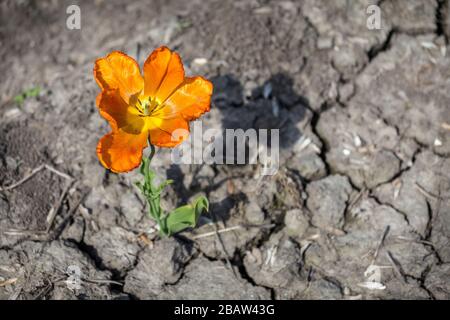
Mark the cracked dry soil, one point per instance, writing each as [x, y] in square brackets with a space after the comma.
[364, 179]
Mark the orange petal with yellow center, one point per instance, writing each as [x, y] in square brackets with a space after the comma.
[118, 113]
[168, 132]
[119, 71]
[190, 100]
[120, 151]
[163, 73]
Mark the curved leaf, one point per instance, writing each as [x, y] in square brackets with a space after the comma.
[186, 216]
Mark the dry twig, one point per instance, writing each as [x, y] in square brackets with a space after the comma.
[32, 173]
[396, 266]
[208, 234]
[380, 244]
[55, 208]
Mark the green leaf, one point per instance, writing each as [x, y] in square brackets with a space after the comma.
[163, 185]
[30, 93]
[180, 219]
[19, 99]
[33, 92]
[201, 204]
[185, 216]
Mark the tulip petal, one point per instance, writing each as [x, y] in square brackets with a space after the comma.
[190, 100]
[163, 73]
[119, 71]
[168, 132]
[118, 113]
[120, 151]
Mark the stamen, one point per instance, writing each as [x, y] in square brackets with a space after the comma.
[146, 108]
[138, 106]
[154, 104]
[157, 108]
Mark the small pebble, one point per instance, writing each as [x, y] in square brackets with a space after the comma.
[437, 143]
[200, 61]
[324, 43]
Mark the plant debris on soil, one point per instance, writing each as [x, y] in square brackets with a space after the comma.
[363, 187]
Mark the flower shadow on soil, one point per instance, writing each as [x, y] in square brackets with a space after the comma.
[274, 105]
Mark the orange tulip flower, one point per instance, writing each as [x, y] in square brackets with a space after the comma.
[151, 107]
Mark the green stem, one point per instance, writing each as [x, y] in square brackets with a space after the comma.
[151, 210]
[152, 151]
[152, 192]
[154, 206]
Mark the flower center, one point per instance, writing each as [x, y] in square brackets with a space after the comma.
[147, 105]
